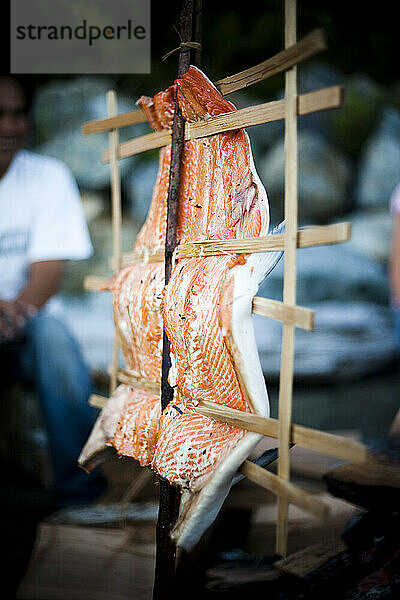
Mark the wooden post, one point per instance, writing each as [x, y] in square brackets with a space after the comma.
[115, 216]
[170, 495]
[289, 285]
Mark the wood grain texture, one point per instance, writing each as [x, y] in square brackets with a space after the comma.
[292, 315]
[289, 277]
[116, 217]
[310, 45]
[324, 99]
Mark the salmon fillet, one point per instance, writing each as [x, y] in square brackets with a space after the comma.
[205, 309]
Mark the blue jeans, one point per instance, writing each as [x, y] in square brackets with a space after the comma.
[49, 358]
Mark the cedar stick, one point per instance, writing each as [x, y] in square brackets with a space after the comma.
[324, 99]
[306, 237]
[312, 439]
[284, 489]
[310, 45]
[289, 278]
[115, 217]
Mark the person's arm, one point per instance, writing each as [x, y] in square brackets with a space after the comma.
[43, 282]
[394, 266]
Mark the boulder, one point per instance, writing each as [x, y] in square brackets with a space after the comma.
[83, 314]
[379, 170]
[351, 126]
[371, 233]
[60, 109]
[335, 272]
[324, 177]
[350, 340]
[138, 188]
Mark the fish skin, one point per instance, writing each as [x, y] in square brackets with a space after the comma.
[96, 447]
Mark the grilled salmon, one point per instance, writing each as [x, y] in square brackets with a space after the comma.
[205, 309]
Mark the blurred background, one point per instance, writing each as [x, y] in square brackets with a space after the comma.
[346, 370]
[349, 164]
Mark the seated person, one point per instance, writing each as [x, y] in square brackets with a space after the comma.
[42, 225]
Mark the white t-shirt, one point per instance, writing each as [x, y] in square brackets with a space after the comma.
[41, 218]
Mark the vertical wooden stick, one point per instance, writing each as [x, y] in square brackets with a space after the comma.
[170, 495]
[115, 216]
[289, 285]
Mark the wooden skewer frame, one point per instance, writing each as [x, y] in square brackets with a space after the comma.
[291, 315]
[313, 43]
[324, 99]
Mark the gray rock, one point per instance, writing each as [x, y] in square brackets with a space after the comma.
[333, 272]
[350, 340]
[138, 188]
[379, 171]
[350, 126]
[60, 109]
[371, 234]
[84, 314]
[324, 176]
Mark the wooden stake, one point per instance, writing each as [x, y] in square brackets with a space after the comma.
[289, 282]
[115, 216]
[170, 495]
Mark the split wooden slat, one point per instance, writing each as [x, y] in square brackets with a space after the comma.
[310, 45]
[312, 439]
[94, 283]
[97, 401]
[289, 279]
[306, 237]
[129, 378]
[115, 217]
[284, 489]
[122, 120]
[324, 99]
[292, 315]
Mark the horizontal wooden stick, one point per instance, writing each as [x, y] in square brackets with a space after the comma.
[331, 97]
[263, 478]
[292, 315]
[122, 120]
[308, 236]
[313, 439]
[129, 378]
[97, 401]
[285, 489]
[313, 43]
[320, 441]
[138, 257]
[93, 283]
